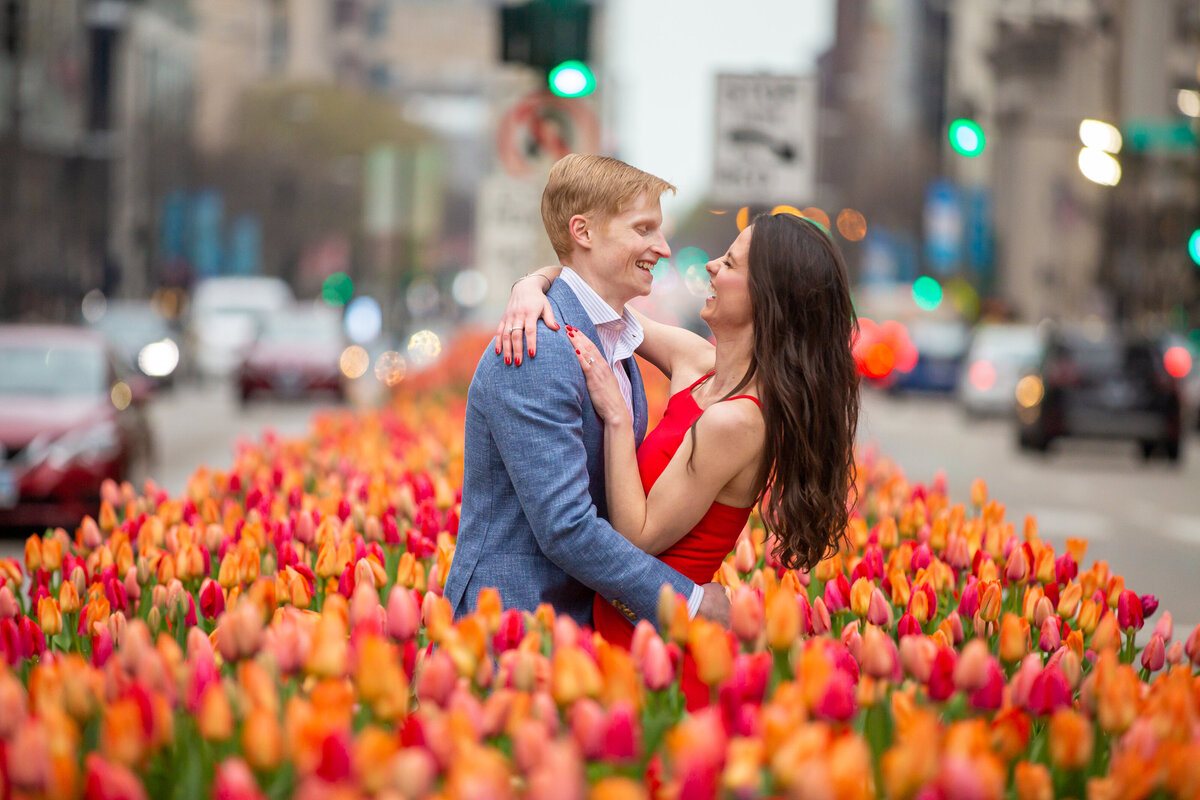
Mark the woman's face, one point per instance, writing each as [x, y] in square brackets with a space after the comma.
[728, 303]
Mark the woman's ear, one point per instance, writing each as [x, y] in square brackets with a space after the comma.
[580, 230]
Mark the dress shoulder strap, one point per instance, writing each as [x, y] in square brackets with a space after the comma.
[745, 397]
[700, 380]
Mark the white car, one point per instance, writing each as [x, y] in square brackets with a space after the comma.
[997, 358]
[225, 318]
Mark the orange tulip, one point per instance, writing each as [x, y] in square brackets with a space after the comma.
[215, 719]
[860, 596]
[979, 493]
[33, 553]
[1107, 635]
[49, 616]
[1032, 781]
[262, 739]
[783, 618]
[574, 675]
[1070, 739]
[1014, 638]
[711, 650]
[122, 736]
[327, 657]
[989, 602]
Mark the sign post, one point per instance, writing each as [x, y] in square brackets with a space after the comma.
[766, 139]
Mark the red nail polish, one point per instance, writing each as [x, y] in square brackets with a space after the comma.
[531, 352]
[507, 360]
[576, 352]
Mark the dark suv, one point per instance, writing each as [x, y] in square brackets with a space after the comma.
[1105, 385]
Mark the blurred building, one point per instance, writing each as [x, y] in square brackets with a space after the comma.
[1020, 221]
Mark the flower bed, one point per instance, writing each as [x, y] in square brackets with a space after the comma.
[278, 630]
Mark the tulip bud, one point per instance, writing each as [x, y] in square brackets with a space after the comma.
[1165, 627]
[1175, 653]
[1033, 781]
[989, 602]
[860, 596]
[979, 493]
[8, 603]
[1017, 568]
[821, 623]
[1050, 636]
[215, 720]
[879, 610]
[1192, 648]
[1154, 656]
[916, 656]
[1014, 638]
[403, 614]
[49, 616]
[1129, 611]
[746, 614]
[1068, 601]
[1089, 616]
[878, 655]
[1070, 739]
[212, 599]
[783, 620]
[971, 670]
[655, 664]
[744, 560]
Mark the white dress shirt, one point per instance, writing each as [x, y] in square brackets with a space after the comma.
[620, 335]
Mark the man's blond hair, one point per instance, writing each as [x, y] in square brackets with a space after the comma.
[597, 187]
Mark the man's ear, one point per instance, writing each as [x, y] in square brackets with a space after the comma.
[581, 231]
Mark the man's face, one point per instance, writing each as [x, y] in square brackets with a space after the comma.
[626, 248]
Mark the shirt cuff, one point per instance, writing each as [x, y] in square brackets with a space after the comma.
[695, 600]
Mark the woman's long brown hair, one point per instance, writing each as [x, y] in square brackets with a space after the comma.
[808, 385]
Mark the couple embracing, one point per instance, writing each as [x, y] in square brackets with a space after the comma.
[567, 500]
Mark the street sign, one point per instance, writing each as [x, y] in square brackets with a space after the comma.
[943, 226]
[510, 239]
[541, 128]
[1160, 135]
[766, 140]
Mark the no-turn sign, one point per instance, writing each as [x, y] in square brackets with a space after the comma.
[766, 139]
[542, 127]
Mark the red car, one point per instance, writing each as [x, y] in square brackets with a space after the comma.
[69, 418]
[296, 354]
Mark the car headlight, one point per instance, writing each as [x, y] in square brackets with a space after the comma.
[159, 359]
[88, 444]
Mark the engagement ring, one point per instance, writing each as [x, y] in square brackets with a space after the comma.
[510, 330]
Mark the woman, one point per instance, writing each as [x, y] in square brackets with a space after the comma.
[765, 415]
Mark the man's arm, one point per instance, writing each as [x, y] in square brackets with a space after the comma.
[536, 417]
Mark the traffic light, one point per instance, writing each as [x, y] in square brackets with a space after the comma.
[551, 36]
[966, 137]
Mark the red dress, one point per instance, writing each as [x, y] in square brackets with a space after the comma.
[700, 551]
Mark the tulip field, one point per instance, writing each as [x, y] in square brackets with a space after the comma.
[278, 630]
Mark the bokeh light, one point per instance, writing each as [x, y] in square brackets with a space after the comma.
[1178, 361]
[852, 224]
[1194, 246]
[1100, 135]
[121, 395]
[422, 298]
[661, 270]
[364, 319]
[966, 137]
[423, 348]
[795, 212]
[1099, 167]
[982, 375]
[337, 289]
[743, 217]
[94, 305]
[690, 263]
[354, 361]
[159, 359]
[818, 216]
[470, 288]
[1029, 391]
[880, 360]
[390, 368]
[963, 297]
[927, 292]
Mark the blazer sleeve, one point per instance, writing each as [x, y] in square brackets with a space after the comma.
[535, 413]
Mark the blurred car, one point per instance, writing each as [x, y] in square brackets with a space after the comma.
[142, 338]
[296, 353]
[225, 316]
[70, 417]
[941, 346]
[997, 358]
[1103, 385]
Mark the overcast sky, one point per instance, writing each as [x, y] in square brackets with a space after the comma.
[663, 56]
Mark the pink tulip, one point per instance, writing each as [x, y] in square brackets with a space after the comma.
[971, 670]
[968, 602]
[1051, 634]
[586, 719]
[921, 557]
[878, 656]
[102, 646]
[990, 695]
[1149, 604]
[8, 603]
[234, 781]
[403, 614]
[837, 594]
[1165, 626]
[879, 610]
[1065, 569]
[436, 678]
[108, 781]
[821, 623]
[1154, 656]
[657, 670]
[1175, 653]
[1017, 568]
[1192, 648]
[917, 653]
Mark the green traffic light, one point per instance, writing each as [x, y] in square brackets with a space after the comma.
[927, 293]
[966, 137]
[1194, 246]
[572, 79]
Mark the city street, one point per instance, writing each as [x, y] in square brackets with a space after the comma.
[1143, 518]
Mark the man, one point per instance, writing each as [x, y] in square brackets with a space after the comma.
[533, 508]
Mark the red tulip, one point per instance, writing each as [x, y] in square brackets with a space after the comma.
[908, 626]
[990, 695]
[1149, 604]
[621, 738]
[1130, 615]
[212, 599]
[234, 781]
[837, 701]
[941, 675]
[1049, 692]
[108, 781]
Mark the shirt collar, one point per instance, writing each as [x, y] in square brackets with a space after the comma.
[600, 312]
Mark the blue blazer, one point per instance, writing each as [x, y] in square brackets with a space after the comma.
[533, 504]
